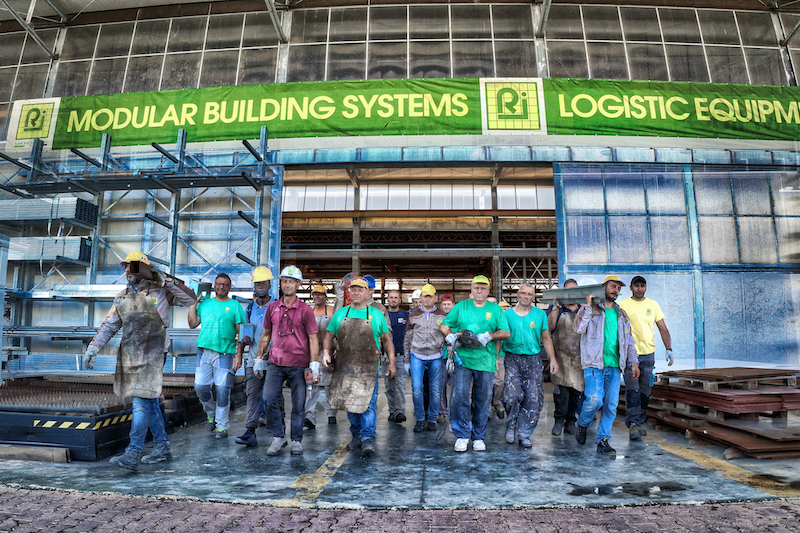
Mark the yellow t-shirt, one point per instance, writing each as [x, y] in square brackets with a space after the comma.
[644, 316]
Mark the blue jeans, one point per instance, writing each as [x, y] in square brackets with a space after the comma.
[362, 425]
[602, 392]
[146, 413]
[434, 367]
[637, 391]
[462, 411]
[273, 391]
[214, 368]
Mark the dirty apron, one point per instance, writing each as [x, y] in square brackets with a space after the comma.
[567, 346]
[356, 366]
[325, 373]
[141, 352]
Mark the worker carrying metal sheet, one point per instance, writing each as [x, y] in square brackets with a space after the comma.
[142, 311]
[359, 330]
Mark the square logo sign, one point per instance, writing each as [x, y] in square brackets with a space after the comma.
[32, 119]
[513, 106]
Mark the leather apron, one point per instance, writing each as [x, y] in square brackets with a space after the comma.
[140, 362]
[355, 367]
[325, 373]
[567, 345]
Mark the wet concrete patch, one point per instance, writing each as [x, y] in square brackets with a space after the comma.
[654, 491]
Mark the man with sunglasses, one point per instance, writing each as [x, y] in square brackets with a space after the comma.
[290, 324]
[216, 347]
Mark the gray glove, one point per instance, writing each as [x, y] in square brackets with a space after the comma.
[450, 365]
[90, 357]
[669, 357]
[260, 368]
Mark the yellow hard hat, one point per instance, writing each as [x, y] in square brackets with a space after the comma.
[135, 256]
[481, 279]
[320, 289]
[613, 278]
[503, 304]
[428, 290]
[261, 273]
[359, 282]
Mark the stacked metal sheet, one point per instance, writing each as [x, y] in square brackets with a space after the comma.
[30, 209]
[49, 249]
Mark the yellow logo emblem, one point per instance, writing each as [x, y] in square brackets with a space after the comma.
[488, 315]
[35, 120]
[155, 301]
[512, 105]
[533, 324]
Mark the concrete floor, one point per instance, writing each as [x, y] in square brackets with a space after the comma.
[420, 470]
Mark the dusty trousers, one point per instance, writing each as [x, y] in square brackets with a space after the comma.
[523, 393]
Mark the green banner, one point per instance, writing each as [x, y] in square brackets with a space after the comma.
[325, 109]
[527, 106]
[671, 109]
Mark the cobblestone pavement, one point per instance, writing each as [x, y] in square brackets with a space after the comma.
[27, 511]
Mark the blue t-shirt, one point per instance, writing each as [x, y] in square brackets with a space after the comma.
[399, 320]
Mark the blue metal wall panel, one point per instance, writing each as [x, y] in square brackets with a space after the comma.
[634, 155]
[712, 157]
[422, 153]
[673, 155]
[509, 153]
[781, 157]
[295, 157]
[335, 155]
[380, 155]
[591, 153]
[751, 157]
[549, 153]
[463, 153]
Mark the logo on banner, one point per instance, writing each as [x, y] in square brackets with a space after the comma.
[32, 119]
[513, 106]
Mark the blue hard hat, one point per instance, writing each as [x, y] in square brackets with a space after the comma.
[370, 281]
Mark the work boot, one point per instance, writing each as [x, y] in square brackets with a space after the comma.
[580, 435]
[297, 448]
[278, 443]
[399, 418]
[605, 448]
[525, 442]
[211, 424]
[391, 417]
[634, 432]
[441, 418]
[501, 413]
[511, 432]
[248, 439]
[308, 424]
[569, 427]
[419, 427]
[331, 420]
[160, 454]
[221, 434]
[642, 432]
[367, 447]
[558, 428]
[431, 426]
[128, 460]
[355, 443]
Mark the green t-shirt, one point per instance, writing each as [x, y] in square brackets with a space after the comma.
[376, 318]
[218, 324]
[489, 318]
[526, 332]
[611, 339]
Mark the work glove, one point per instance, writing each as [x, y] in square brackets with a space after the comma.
[90, 357]
[314, 366]
[260, 368]
[408, 368]
[669, 357]
[450, 365]
[485, 338]
[451, 339]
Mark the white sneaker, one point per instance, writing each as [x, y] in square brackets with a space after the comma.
[461, 445]
[478, 446]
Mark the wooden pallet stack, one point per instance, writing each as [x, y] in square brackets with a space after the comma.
[742, 408]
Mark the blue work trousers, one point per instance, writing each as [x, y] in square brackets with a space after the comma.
[469, 418]
[146, 413]
[273, 391]
[362, 425]
[602, 392]
[434, 368]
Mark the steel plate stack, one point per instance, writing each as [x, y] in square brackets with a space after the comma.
[49, 249]
[31, 209]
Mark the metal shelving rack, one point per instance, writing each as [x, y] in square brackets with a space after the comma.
[180, 173]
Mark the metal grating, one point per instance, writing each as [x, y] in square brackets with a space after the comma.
[49, 249]
[30, 209]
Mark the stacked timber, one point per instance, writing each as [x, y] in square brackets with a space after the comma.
[743, 408]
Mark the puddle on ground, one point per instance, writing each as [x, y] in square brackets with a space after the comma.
[658, 491]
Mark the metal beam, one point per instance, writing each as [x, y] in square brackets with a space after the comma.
[273, 15]
[164, 152]
[247, 218]
[246, 259]
[417, 253]
[159, 222]
[90, 160]
[498, 169]
[58, 11]
[543, 19]
[352, 173]
[791, 34]
[30, 31]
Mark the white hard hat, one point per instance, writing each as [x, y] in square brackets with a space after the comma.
[293, 272]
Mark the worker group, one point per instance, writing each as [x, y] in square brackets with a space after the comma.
[465, 359]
